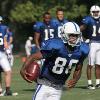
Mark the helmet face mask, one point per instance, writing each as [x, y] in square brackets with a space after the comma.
[71, 34]
[95, 11]
[73, 39]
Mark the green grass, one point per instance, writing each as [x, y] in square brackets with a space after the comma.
[26, 90]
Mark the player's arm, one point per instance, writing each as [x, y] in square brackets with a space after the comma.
[5, 42]
[37, 39]
[34, 57]
[83, 27]
[37, 28]
[30, 69]
[43, 54]
[84, 23]
[78, 70]
[76, 76]
[11, 40]
[30, 60]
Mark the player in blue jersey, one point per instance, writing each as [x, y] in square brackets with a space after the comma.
[92, 26]
[60, 58]
[59, 21]
[4, 64]
[44, 30]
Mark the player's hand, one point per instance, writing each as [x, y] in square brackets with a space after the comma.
[6, 45]
[71, 83]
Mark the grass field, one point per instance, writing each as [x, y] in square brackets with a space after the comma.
[25, 90]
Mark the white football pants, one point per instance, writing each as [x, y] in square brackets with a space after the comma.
[10, 56]
[44, 92]
[94, 54]
[4, 63]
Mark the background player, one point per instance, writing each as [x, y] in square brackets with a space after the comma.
[59, 21]
[59, 61]
[44, 30]
[4, 64]
[92, 26]
[28, 46]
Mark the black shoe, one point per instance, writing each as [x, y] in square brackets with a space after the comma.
[6, 93]
[97, 86]
[91, 87]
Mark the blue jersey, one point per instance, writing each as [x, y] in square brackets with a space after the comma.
[93, 28]
[59, 61]
[58, 24]
[46, 31]
[34, 49]
[3, 30]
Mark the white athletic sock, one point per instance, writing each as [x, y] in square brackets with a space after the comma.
[97, 81]
[89, 82]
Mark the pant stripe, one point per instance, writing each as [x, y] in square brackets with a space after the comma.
[37, 90]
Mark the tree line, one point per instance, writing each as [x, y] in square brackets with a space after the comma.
[20, 15]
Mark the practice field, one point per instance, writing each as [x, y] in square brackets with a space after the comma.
[25, 90]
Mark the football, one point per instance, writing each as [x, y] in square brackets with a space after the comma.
[30, 72]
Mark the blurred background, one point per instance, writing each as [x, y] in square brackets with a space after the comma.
[21, 15]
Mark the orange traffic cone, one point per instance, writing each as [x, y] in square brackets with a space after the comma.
[24, 59]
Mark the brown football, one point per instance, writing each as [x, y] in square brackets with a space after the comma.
[31, 72]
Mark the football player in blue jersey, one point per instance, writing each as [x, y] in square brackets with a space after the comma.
[91, 24]
[4, 64]
[61, 56]
[59, 21]
[44, 30]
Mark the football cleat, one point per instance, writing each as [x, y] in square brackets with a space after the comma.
[9, 93]
[97, 86]
[91, 87]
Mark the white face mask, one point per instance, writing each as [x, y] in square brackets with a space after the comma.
[71, 33]
[74, 39]
[95, 12]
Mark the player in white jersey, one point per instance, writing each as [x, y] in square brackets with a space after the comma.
[28, 46]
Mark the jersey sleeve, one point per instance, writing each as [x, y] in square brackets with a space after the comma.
[34, 49]
[54, 22]
[10, 34]
[37, 26]
[4, 28]
[50, 48]
[86, 20]
[85, 51]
